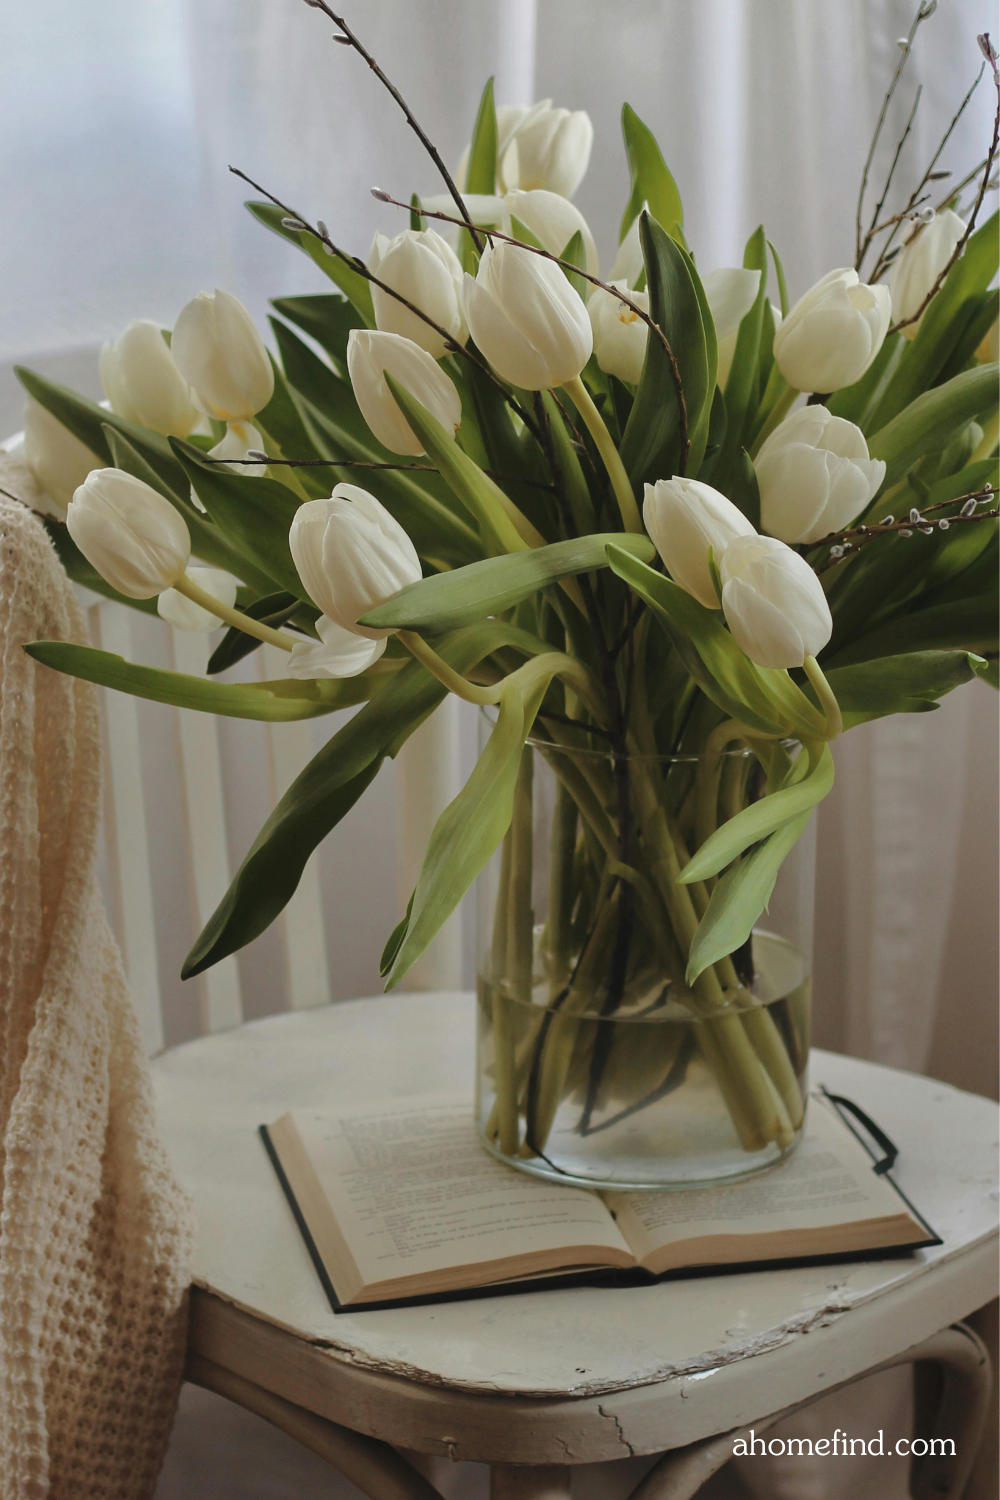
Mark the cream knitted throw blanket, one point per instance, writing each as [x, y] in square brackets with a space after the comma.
[95, 1233]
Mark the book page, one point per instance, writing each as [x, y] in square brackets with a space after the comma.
[416, 1197]
[816, 1202]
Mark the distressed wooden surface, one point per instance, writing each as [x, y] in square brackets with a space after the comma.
[579, 1375]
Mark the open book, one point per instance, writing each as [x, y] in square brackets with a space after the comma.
[399, 1202]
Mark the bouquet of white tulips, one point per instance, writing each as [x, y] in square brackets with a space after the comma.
[588, 505]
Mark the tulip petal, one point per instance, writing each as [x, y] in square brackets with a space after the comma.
[760, 629]
[338, 653]
[507, 350]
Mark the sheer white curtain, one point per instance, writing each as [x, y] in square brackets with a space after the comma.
[120, 121]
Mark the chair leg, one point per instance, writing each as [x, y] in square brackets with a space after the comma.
[377, 1470]
[529, 1482]
[957, 1425]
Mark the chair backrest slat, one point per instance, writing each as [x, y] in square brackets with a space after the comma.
[290, 748]
[126, 837]
[220, 1000]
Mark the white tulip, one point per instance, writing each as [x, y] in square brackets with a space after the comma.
[619, 333]
[351, 555]
[180, 611]
[58, 460]
[833, 333]
[774, 604]
[814, 476]
[143, 384]
[731, 292]
[526, 318]
[553, 221]
[337, 653]
[135, 538]
[222, 357]
[424, 269]
[369, 356]
[549, 148]
[684, 518]
[926, 251]
[727, 347]
[239, 439]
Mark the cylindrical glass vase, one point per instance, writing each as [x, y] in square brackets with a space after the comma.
[597, 1064]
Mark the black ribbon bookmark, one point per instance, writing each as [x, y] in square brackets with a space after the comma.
[888, 1161]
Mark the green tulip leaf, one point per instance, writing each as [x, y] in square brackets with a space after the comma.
[324, 793]
[743, 387]
[740, 897]
[765, 817]
[279, 701]
[651, 179]
[496, 584]
[930, 421]
[968, 624]
[465, 835]
[900, 684]
[326, 317]
[482, 498]
[254, 515]
[481, 174]
[651, 447]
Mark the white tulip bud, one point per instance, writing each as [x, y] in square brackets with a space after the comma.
[135, 538]
[58, 460]
[731, 292]
[814, 476]
[178, 610]
[143, 384]
[774, 603]
[338, 653]
[833, 333]
[684, 518]
[549, 148]
[351, 555]
[927, 249]
[369, 356]
[553, 221]
[423, 268]
[526, 318]
[619, 333]
[222, 357]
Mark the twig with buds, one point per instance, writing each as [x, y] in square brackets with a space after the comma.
[256, 456]
[846, 543]
[567, 265]
[347, 38]
[988, 50]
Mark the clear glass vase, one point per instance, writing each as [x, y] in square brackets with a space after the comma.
[596, 1063]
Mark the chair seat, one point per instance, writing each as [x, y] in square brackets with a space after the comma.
[572, 1376]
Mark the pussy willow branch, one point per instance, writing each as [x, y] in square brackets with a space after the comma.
[364, 463]
[890, 174]
[356, 264]
[923, 11]
[953, 192]
[567, 265]
[411, 119]
[859, 536]
[915, 199]
[987, 49]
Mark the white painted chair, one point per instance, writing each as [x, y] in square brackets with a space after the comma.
[533, 1384]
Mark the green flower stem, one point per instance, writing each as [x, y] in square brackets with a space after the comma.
[827, 701]
[548, 664]
[208, 601]
[580, 397]
[502, 1125]
[563, 846]
[777, 414]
